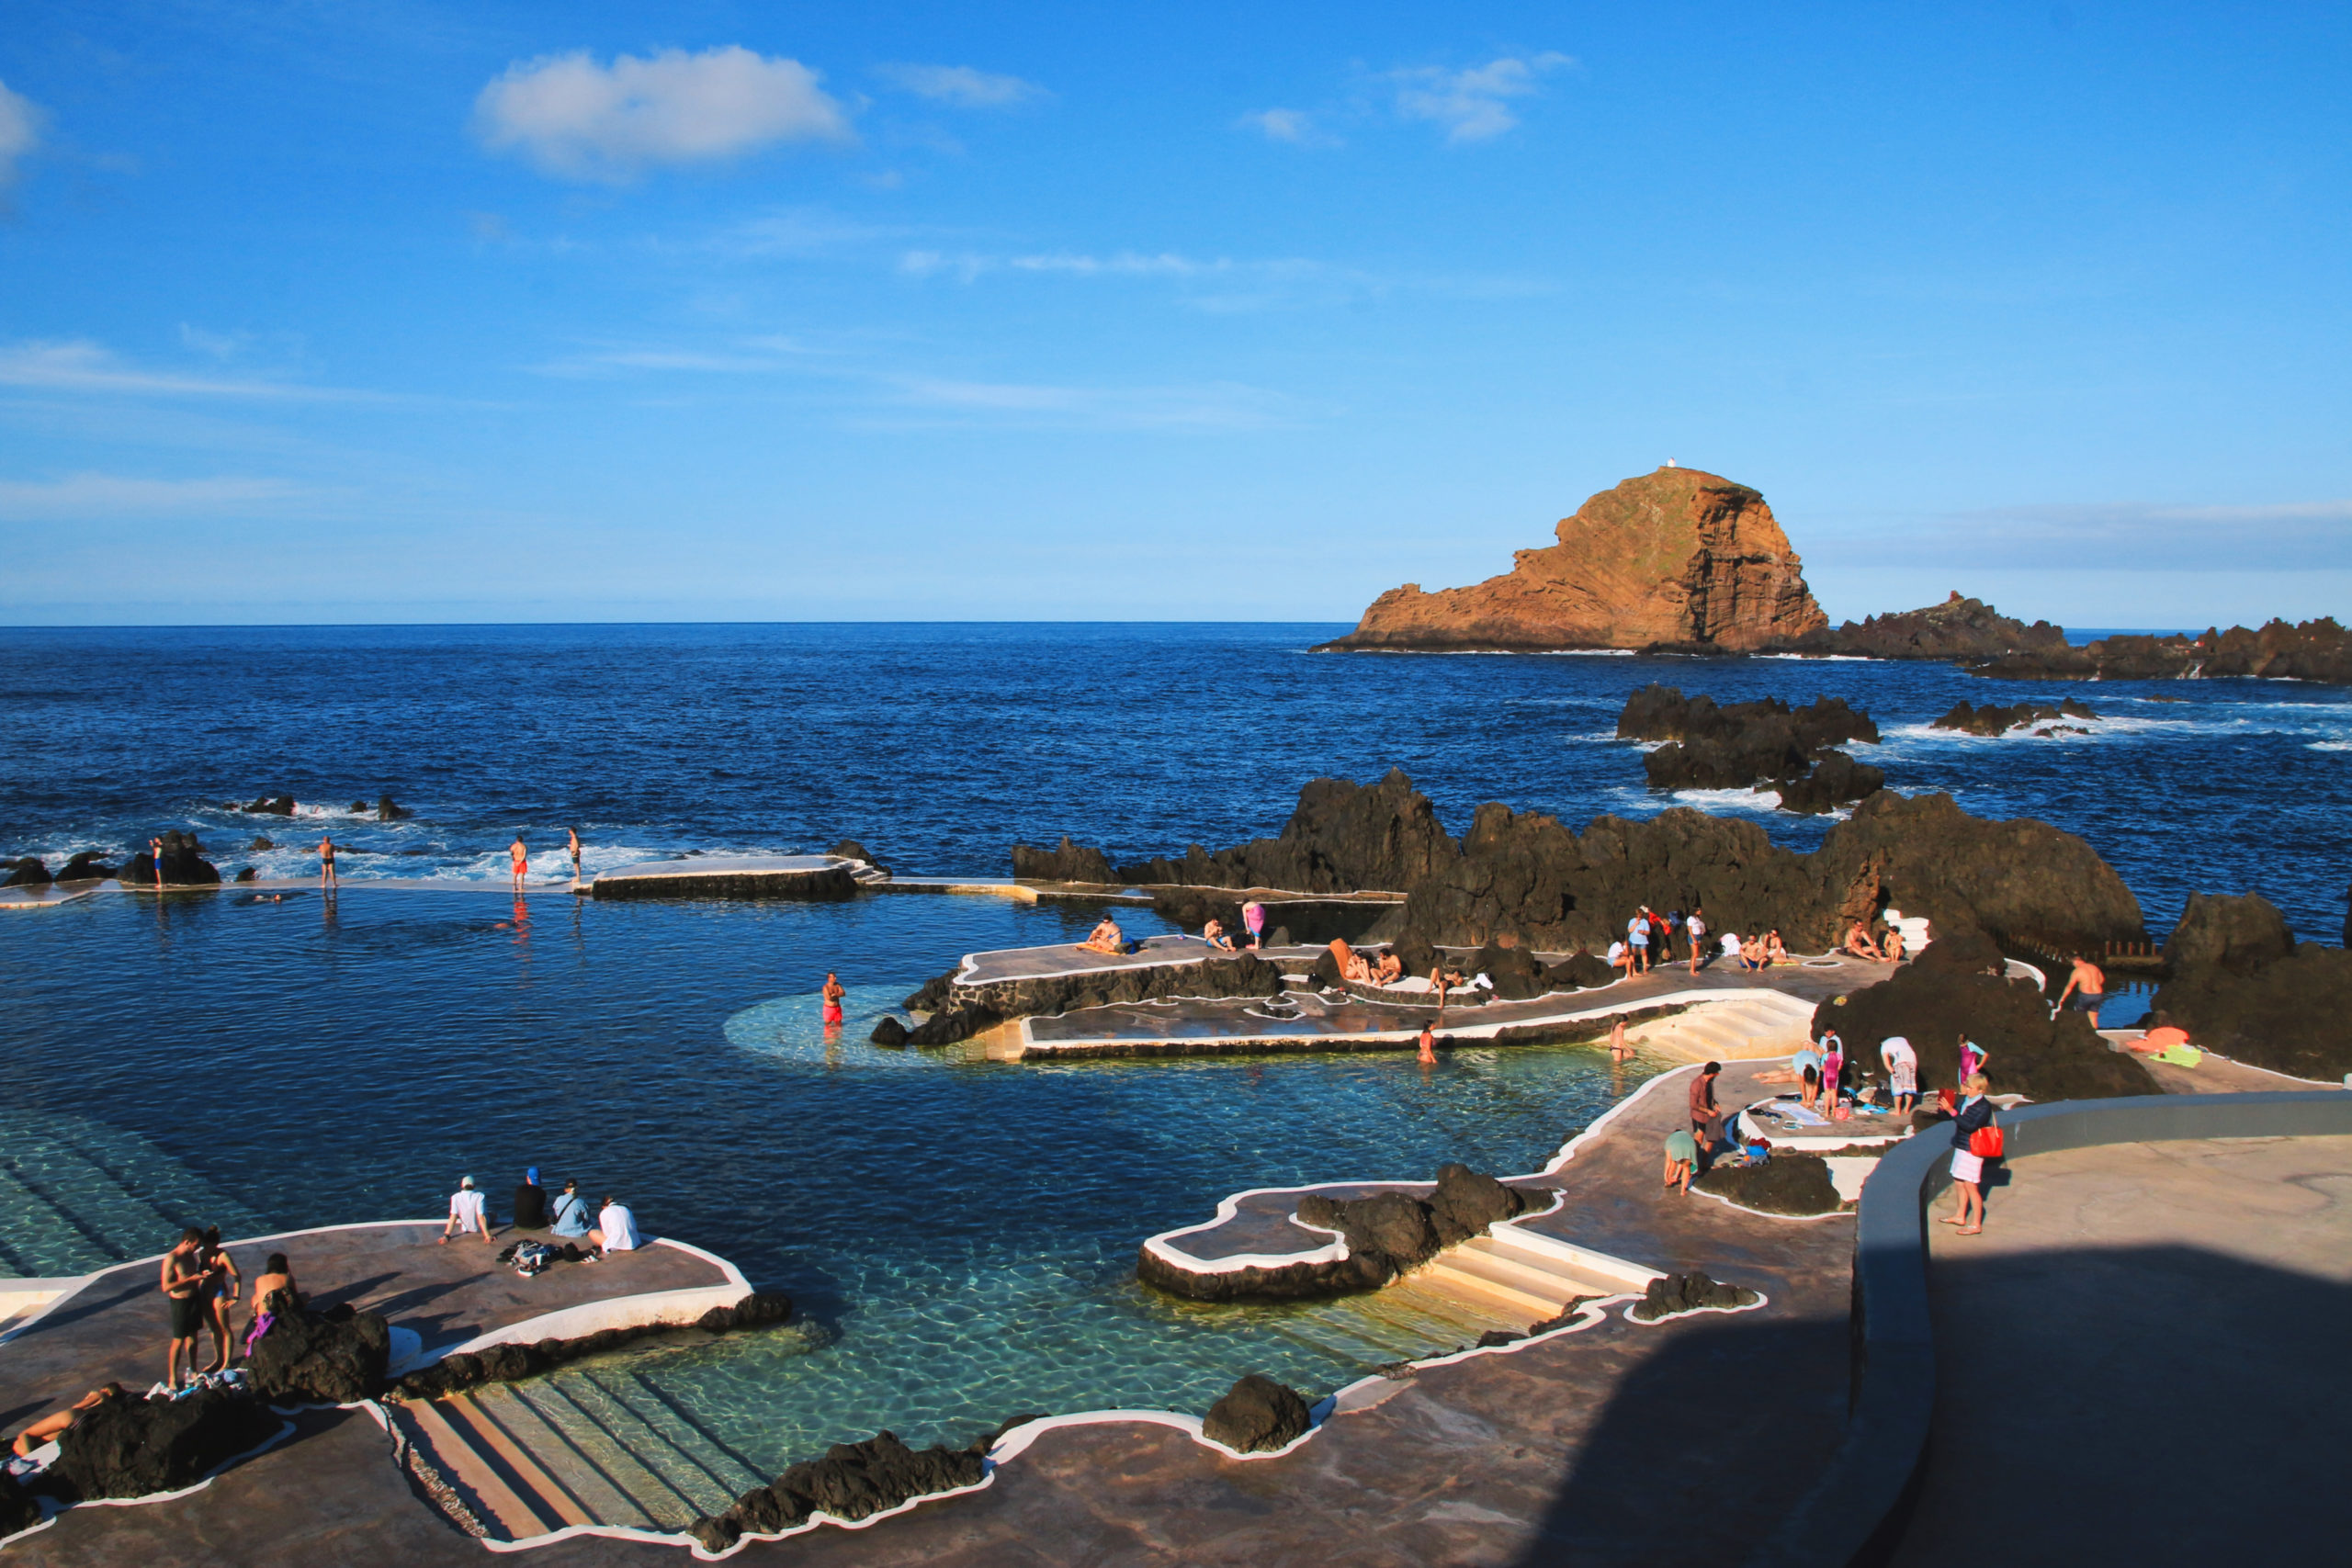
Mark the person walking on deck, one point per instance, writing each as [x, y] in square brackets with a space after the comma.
[1967, 1164]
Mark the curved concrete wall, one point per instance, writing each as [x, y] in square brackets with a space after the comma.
[1855, 1516]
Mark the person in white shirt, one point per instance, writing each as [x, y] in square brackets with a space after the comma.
[1621, 957]
[1696, 929]
[616, 1229]
[468, 1211]
[1902, 1072]
[1731, 946]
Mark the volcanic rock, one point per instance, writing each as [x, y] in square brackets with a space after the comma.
[1956, 629]
[390, 810]
[183, 864]
[975, 1008]
[1579, 971]
[1785, 1184]
[1070, 862]
[1674, 556]
[2027, 1050]
[19, 1510]
[1257, 1415]
[247, 874]
[272, 805]
[1993, 719]
[853, 1481]
[259, 844]
[1752, 744]
[1391, 1232]
[1466, 1204]
[332, 1358]
[513, 1362]
[89, 866]
[136, 1448]
[2288, 1016]
[850, 849]
[950, 1024]
[1343, 838]
[890, 1032]
[2237, 934]
[1661, 713]
[2315, 651]
[26, 873]
[1676, 1293]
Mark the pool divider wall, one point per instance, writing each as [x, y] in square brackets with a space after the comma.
[1856, 1515]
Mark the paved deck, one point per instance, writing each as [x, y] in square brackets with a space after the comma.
[2141, 1361]
[113, 1328]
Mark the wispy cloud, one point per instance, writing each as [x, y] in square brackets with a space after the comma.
[962, 86]
[20, 126]
[1207, 283]
[741, 357]
[1296, 126]
[1472, 105]
[96, 495]
[78, 365]
[578, 119]
[2112, 536]
[1212, 406]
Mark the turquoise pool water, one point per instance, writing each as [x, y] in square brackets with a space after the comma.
[960, 1235]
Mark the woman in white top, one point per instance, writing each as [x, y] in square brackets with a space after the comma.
[1621, 957]
[616, 1229]
[1697, 926]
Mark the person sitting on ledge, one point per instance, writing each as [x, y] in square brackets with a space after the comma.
[1891, 951]
[1353, 969]
[50, 1427]
[1859, 942]
[616, 1229]
[1620, 957]
[468, 1212]
[1775, 950]
[531, 1202]
[1107, 936]
[1214, 934]
[1389, 970]
[571, 1212]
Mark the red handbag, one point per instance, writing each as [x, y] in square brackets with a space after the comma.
[1986, 1142]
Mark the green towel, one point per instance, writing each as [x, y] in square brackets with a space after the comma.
[2181, 1056]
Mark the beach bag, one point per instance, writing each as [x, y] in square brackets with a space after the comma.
[1986, 1142]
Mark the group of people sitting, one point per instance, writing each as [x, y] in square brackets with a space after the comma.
[566, 1214]
[1384, 969]
[1860, 945]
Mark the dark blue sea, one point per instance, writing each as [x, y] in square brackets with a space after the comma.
[962, 1234]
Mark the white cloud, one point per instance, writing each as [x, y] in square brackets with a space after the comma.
[20, 123]
[80, 366]
[1213, 406]
[1472, 105]
[2111, 537]
[580, 120]
[220, 345]
[961, 85]
[1295, 126]
[112, 495]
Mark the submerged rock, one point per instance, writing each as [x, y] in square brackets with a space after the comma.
[390, 810]
[1992, 719]
[333, 1357]
[271, 805]
[26, 873]
[136, 1448]
[1676, 557]
[183, 864]
[853, 1481]
[1256, 1416]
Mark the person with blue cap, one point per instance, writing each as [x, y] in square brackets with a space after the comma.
[531, 1202]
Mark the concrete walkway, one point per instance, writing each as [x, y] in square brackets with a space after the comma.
[2141, 1361]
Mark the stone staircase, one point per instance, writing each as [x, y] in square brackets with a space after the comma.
[77, 1195]
[582, 1447]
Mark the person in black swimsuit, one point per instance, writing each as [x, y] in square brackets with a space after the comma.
[182, 1282]
[326, 861]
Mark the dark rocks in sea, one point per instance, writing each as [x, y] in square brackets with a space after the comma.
[1257, 1415]
[135, 1447]
[86, 866]
[1993, 720]
[853, 1481]
[1956, 629]
[2244, 988]
[1070, 862]
[2315, 651]
[1936, 1004]
[1790, 1183]
[1386, 1234]
[390, 810]
[26, 873]
[336, 1357]
[259, 844]
[1753, 745]
[512, 1363]
[850, 849]
[271, 805]
[1236, 975]
[247, 874]
[1343, 837]
[183, 864]
[2217, 930]
[891, 1032]
[1674, 1294]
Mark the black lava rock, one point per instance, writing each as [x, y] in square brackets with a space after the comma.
[246, 873]
[136, 1448]
[1746, 744]
[26, 873]
[2288, 1015]
[1515, 973]
[853, 1481]
[1678, 1293]
[850, 849]
[2027, 1050]
[890, 1032]
[330, 1358]
[183, 864]
[87, 866]
[1257, 1415]
[1785, 1184]
[20, 1509]
[1579, 971]
[1343, 837]
[272, 805]
[1466, 1204]
[1070, 862]
[511, 1363]
[390, 810]
[2220, 932]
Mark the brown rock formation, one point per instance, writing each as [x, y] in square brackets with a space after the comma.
[1677, 557]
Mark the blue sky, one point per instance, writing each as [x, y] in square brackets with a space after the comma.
[368, 312]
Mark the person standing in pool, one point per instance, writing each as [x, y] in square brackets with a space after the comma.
[2087, 986]
[326, 861]
[521, 857]
[1427, 1045]
[573, 835]
[833, 993]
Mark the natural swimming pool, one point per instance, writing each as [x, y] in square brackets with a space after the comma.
[960, 1235]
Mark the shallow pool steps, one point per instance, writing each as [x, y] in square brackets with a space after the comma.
[580, 1448]
[76, 1195]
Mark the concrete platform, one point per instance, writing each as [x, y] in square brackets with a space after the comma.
[746, 877]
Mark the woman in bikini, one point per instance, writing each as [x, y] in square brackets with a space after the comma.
[220, 1294]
